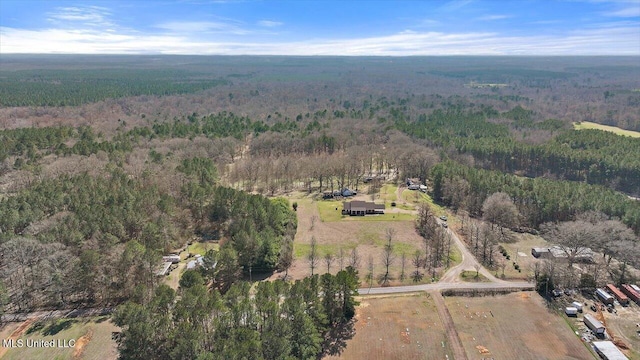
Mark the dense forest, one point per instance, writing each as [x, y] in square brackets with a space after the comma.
[106, 165]
[302, 320]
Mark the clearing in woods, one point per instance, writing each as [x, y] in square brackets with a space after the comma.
[521, 327]
[397, 327]
[92, 336]
[613, 129]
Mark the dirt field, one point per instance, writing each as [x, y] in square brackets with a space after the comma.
[367, 236]
[514, 326]
[623, 326]
[398, 327]
[93, 340]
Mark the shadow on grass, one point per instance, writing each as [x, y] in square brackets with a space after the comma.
[336, 339]
[58, 326]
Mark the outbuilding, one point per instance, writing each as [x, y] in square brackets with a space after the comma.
[622, 298]
[608, 350]
[604, 297]
[595, 325]
[571, 311]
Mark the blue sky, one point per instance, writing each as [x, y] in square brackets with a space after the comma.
[304, 27]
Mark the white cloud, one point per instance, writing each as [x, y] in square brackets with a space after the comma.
[633, 11]
[188, 27]
[613, 39]
[269, 23]
[88, 16]
[493, 17]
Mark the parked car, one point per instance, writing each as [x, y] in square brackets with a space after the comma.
[443, 218]
[444, 225]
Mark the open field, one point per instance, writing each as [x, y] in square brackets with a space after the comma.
[613, 129]
[398, 327]
[417, 198]
[368, 237]
[92, 340]
[331, 210]
[521, 328]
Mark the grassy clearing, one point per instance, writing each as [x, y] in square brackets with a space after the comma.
[328, 212]
[301, 251]
[202, 247]
[96, 343]
[472, 276]
[388, 193]
[418, 197]
[616, 130]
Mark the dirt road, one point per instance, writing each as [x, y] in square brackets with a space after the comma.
[454, 340]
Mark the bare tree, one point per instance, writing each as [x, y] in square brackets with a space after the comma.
[312, 257]
[416, 261]
[314, 218]
[341, 258]
[328, 260]
[354, 259]
[370, 273]
[387, 260]
[573, 237]
[500, 210]
[286, 257]
[477, 268]
[403, 261]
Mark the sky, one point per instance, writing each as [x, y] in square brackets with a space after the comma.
[308, 28]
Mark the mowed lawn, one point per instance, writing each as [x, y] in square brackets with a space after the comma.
[92, 336]
[513, 326]
[398, 327]
[613, 129]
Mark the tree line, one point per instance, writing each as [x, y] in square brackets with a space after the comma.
[307, 319]
[538, 200]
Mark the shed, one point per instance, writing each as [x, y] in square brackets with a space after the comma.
[571, 311]
[174, 259]
[593, 324]
[537, 252]
[608, 350]
[577, 305]
[622, 298]
[631, 293]
[163, 269]
[604, 296]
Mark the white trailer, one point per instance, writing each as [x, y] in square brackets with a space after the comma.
[571, 311]
[577, 305]
[604, 296]
[595, 325]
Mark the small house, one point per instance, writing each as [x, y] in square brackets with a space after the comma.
[361, 208]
